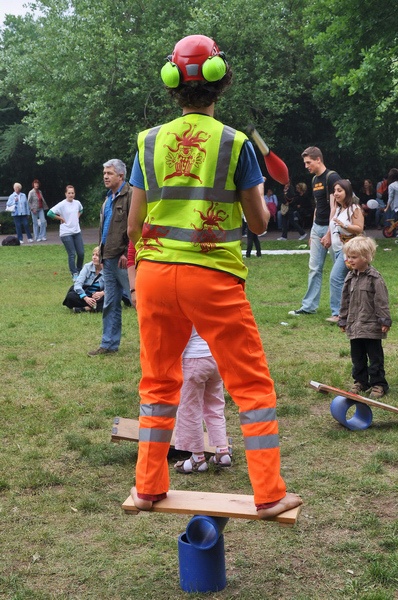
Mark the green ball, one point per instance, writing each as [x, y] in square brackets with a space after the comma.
[214, 68]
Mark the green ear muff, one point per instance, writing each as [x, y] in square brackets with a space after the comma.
[214, 68]
[171, 75]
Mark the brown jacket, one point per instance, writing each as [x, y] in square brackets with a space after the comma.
[117, 240]
[364, 305]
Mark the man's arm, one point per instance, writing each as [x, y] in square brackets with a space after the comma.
[137, 214]
[255, 209]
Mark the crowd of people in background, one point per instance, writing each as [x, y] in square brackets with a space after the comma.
[291, 209]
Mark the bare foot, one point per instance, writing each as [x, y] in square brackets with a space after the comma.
[139, 502]
[288, 502]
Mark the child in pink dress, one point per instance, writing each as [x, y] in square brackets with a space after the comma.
[202, 399]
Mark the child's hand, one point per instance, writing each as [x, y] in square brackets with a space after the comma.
[385, 329]
[342, 329]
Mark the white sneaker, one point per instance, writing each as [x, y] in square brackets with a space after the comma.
[20, 241]
[38, 240]
[43, 239]
[281, 239]
[30, 241]
[302, 237]
[300, 311]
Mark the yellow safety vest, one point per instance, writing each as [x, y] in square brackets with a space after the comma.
[194, 214]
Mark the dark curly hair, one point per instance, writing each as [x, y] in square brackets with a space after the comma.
[200, 94]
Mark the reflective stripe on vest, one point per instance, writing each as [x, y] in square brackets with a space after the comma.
[194, 215]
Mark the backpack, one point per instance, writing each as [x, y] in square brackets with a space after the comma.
[11, 240]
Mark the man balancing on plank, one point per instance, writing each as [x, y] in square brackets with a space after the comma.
[192, 177]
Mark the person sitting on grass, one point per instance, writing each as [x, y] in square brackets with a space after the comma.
[87, 293]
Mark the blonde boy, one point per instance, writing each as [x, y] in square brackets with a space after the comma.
[365, 317]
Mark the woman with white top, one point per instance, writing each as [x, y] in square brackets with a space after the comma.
[346, 223]
[68, 212]
[392, 186]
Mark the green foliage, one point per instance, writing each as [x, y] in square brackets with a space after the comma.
[78, 81]
[93, 81]
[89, 81]
[355, 47]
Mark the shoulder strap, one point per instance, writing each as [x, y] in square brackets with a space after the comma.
[328, 174]
[327, 187]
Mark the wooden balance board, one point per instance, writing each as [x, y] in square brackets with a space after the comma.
[127, 429]
[321, 387]
[239, 506]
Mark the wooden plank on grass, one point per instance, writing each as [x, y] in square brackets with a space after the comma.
[238, 506]
[323, 387]
[127, 429]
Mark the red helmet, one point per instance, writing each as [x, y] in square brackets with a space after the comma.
[190, 53]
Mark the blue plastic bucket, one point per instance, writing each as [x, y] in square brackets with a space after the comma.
[203, 531]
[201, 570]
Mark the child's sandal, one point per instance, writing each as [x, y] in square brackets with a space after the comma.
[221, 459]
[191, 466]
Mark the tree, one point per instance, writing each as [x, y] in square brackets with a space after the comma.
[90, 72]
[84, 75]
[355, 49]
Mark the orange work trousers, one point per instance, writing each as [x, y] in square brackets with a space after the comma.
[170, 299]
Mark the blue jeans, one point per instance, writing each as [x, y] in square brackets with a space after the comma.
[318, 254]
[115, 282]
[337, 277]
[39, 231]
[22, 221]
[74, 246]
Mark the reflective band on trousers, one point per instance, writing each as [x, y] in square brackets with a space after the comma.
[155, 435]
[158, 410]
[261, 415]
[262, 442]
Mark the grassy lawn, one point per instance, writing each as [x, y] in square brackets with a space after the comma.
[62, 482]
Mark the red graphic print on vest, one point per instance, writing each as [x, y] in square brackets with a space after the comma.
[188, 153]
[153, 232]
[211, 231]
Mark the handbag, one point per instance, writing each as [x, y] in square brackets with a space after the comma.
[284, 209]
[10, 208]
